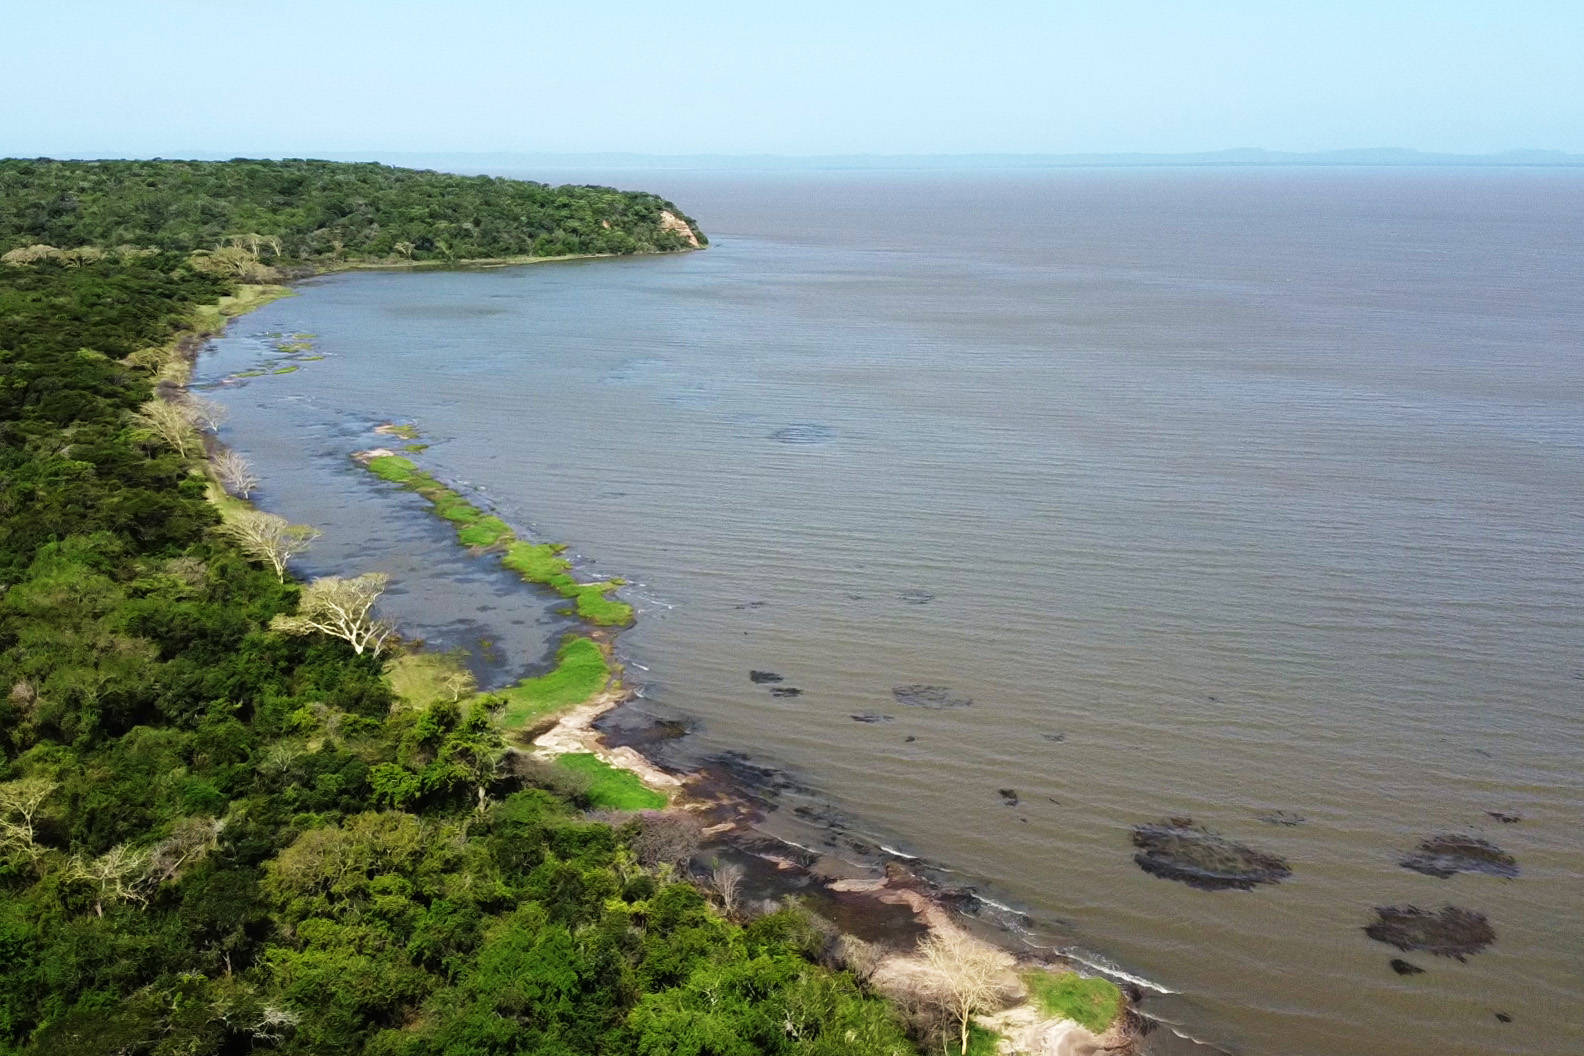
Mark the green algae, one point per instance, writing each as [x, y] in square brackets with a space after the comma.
[415, 448]
[285, 370]
[540, 563]
[249, 374]
[393, 468]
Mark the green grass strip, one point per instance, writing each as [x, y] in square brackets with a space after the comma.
[1090, 1001]
[581, 671]
[610, 788]
[540, 563]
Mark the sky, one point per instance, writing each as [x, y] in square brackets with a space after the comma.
[176, 78]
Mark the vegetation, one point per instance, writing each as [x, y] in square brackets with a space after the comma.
[969, 975]
[580, 672]
[246, 215]
[217, 838]
[1087, 1000]
[609, 787]
[535, 562]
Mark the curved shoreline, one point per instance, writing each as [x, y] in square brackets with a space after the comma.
[898, 970]
[900, 904]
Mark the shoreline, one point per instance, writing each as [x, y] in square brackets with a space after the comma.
[885, 913]
[727, 812]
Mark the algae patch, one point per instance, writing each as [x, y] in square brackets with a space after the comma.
[540, 563]
[1447, 853]
[1177, 849]
[922, 696]
[1450, 931]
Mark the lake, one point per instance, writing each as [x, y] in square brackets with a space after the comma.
[1254, 497]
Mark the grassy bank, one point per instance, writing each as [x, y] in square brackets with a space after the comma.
[1090, 1001]
[539, 563]
[581, 672]
[610, 787]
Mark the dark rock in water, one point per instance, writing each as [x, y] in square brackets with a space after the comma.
[750, 605]
[785, 691]
[921, 696]
[1054, 738]
[1177, 849]
[1402, 967]
[804, 433]
[1503, 1017]
[1282, 817]
[1450, 931]
[917, 597]
[909, 739]
[1452, 852]
[1009, 796]
[870, 716]
[1506, 817]
[761, 677]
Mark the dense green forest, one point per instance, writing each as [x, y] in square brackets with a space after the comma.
[201, 851]
[321, 212]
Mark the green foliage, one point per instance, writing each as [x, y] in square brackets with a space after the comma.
[1087, 1000]
[610, 788]
[219, 840]
[321, 211]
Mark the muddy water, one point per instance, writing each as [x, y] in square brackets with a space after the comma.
[1071, 504]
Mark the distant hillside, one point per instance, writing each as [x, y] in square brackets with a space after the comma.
[324, 211]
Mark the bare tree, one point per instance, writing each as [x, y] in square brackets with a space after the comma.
[234, 473]
[860, 958]
[968, 976]
[269, 538]
[405, 249]
[168, 422]
[175, 421]
[190, 841]
[115, 874]
[341, 608]
[666, 838]
[20, 805]
[728, 884]
[204, 413]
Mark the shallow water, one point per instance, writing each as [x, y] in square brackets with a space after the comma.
[1219, 494]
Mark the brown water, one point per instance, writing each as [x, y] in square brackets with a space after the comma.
[1219, 493]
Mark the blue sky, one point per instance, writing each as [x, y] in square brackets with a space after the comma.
[174, 77]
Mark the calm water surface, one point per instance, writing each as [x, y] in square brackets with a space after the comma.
[1219, 493]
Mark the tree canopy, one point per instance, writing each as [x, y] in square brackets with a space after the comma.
[220, 839]
[319, 212]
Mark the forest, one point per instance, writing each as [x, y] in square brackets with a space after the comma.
[217, 838]
[321, 212]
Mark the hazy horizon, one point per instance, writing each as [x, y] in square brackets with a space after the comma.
[177, 77]
[493, 161]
